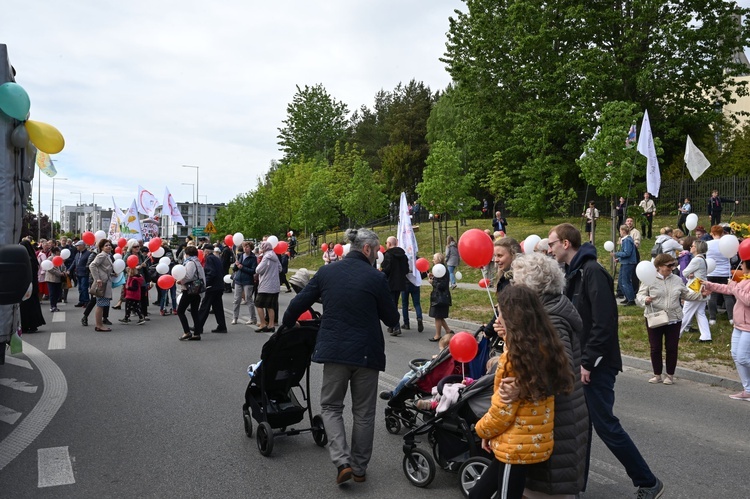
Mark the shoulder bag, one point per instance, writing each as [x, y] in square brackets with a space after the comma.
[196, 286]
[96, 290]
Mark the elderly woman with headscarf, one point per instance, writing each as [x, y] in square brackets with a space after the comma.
[267, 301]
[564, 474]
[31, 310]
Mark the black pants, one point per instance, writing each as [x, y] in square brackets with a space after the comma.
[649, 223]
[192, 301]
[212, 302]
[133, 307]
[493, 478]
[681, 223]
[90, 306]
[715, 218]
[283, 281]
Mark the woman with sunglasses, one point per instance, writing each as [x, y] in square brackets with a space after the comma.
[664, 294]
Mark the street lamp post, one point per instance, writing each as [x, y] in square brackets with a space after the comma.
[52, 210]
[194, 214]
[80, 199]
[197, 191]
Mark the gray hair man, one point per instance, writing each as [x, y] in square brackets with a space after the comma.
[350, 345]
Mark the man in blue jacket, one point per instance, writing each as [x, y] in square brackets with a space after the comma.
[212, 299]
[80, 269]
[590, 288]
[350, 346]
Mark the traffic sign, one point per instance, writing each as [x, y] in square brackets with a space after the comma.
[210, 228]
[198, 232]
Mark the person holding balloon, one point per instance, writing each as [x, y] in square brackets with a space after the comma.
[696, 270]
[190, 271]
[440, 298]
[133, 296]
[685, 208]
[520, 433]
[102, 273]
[720, 253]
[54, 275]
[329, 253]
[626, 257]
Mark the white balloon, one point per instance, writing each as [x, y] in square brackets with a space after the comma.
[65, 254]
[46, 265]
[291, 233]
[179, 272]
[380, 258]
[529, 244]
[728, 245]
[228, 278]
[273, 240]
[459, 275]
[117, 256]
[347, 248]
[691, 222]
[646, 272]
[165, 260]
[609, 246]
[100, 234]
[162, 268]
[438, 270]
[118, 265]
[158, 253]
[238, 238]
[710, 265]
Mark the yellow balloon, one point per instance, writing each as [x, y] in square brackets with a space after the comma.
[45, 137]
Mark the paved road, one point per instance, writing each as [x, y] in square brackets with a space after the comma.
[136, 413]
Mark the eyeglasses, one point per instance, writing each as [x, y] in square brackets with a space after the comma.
[671, 265]
[551, 243]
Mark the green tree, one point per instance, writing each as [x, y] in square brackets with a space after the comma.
[445, 187]
[314, 122]
[319, 209]
[363, 200]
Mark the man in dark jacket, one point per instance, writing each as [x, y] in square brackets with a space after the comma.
[395, 266]
[589, 287]
[227, 259]
[350, 346]
[715, 207]
[212, 300]
[79, 269]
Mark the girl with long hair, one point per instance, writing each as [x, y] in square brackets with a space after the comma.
[520, 433]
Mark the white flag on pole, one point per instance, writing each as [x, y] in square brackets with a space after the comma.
[695, 160]
[146, 202]
[131, 223]
[646, 148]
[408, 241]
[169, 207]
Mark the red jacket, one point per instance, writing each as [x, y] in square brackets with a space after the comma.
[133, 287]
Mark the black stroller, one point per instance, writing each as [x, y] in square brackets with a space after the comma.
[455, 446]
[274, 392]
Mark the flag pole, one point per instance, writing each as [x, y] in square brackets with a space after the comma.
[680, 199]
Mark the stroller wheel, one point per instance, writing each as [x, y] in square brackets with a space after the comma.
[419, 467]
[264, 438]
[470, 473]
[319, 431]
[248, 423]
[392, 424]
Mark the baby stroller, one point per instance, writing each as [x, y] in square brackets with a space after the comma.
[455, 446]
[273, 395]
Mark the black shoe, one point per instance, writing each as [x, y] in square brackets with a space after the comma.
[705, 341]
[396, 331]
[344, 474]
[155, 303]
[406, 326]
[106, 321]
[628, 304]
[219, 330]
[195, 337]
[117, 307]
[386, 395]
[420, 326]
[79, 305]
[84, 321]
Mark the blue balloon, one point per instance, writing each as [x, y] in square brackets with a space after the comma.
[14, 101]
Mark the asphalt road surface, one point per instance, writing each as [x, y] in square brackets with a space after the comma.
[136, 413]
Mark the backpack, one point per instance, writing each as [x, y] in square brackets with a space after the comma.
[656, 250]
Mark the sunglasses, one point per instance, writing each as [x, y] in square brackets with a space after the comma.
[671, 265]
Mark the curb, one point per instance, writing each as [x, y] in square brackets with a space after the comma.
[636, 363]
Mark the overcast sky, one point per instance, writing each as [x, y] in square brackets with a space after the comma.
[139, 88]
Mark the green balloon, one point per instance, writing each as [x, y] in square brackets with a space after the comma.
[14, 101]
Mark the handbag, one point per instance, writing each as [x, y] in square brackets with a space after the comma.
[68, 282]
[195, 287]
[657, 319]
[96, 290]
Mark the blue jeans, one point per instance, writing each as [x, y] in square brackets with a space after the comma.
[163, 293]
[600, 399]
[452, 274]
[83, 288]
[412, 291]
[625, 280]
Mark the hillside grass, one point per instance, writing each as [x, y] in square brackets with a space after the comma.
[473, 305]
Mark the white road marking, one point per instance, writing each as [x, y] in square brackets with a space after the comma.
[56, 341]
[18, 362]
[596, 477]
[58, 316]
[21, 386]
[8, 415]
[611, 469]
[55, 467]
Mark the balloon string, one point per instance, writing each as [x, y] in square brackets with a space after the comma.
[489, 293]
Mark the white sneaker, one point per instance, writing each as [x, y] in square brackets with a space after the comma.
[251, 323]
[655, 379]
[234, 321]
[668, 380]
[712, 322]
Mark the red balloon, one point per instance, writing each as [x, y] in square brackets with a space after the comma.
[118, 250]
[165, 281]
[229, 240]
[338, 249]
[306, 316]
[483, 283]
[422, 265]
[88, 237]
[154, 244]
[463, 346]
[57, 261]
[382, 250]
[744, 250]
[281, 247]
[289, 234]
[122, 242]
[132, 261]
[475, 248]
[324, 247]
[201, 256]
